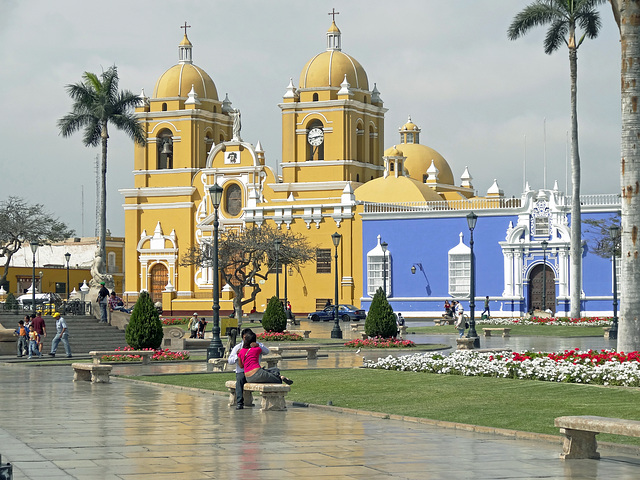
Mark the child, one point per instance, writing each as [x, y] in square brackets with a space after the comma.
[23, 335]
[34, 339]
[202, 325]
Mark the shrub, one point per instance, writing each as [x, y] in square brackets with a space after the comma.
[380, 322]
[144, 329]
[274, 318]
[279, 337]
[10, 302]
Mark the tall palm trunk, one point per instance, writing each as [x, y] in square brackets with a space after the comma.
[102, 231]
[576, 221]
[627, 13]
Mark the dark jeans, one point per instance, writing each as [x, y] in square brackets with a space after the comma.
[22, 346]
[265, 375]
[240, 381]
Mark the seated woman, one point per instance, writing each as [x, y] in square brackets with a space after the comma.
[249, 359]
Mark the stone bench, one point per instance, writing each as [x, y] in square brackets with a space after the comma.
[220, 364]
[272, 395]
[444, 321]
[402, 330]
[90, 372]
[144, 354]
[303, 333]
[505, 331]
[312, 350]
[356, 326]
[580, 433]
[465, 343]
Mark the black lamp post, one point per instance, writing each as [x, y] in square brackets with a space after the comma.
[384, 246]
[472, 218]
[614, 233]
[216, 349]
[544, 244]
[277, 243]
[67, 257]
[34, 248]
[336, 332]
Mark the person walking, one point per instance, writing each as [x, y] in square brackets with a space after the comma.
[192, 326]
[23, 338]
[62, 334]
[240, 378]
[41, 328]
[34, 341]
[486, 308]
[103, 300]
[460, 322]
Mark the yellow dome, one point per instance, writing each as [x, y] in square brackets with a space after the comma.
[393, 152]
[395, 189]
[409, 126]
[177, 81]
[327, 69]
[419, 160]
[334, 28]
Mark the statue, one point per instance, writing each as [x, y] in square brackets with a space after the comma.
[97, 275]
[237, 125]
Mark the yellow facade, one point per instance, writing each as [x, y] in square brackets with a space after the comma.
[332, 144]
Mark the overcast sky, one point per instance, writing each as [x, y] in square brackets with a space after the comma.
[449, 65]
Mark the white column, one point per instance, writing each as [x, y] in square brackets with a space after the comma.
[508, 274]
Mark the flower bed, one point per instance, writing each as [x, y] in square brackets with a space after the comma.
[160, 355]
[174, 321]
[564, 321]
[279, 336]
[605, 367]
[379, 342]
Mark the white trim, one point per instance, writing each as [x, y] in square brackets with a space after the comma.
[157, 191]
[330, 163]
[158, 206]
[165, 171]
[308, 186]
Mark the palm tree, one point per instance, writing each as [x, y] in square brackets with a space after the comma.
[96, 103]
[564, 17]
[626, 13]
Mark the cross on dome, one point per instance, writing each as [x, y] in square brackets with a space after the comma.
[185, 26]
[334, 13]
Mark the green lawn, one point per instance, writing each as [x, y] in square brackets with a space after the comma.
[518, 330]
[503, 403]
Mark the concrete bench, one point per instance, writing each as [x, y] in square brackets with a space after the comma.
[580, 433]
[356, 326]
[303, 333]
[402, 330]
[505, 331]
[444, 321]
[312, 350]
[90, 372]
[217, 364]
[144, 354]
[465, 343]
[272, 395]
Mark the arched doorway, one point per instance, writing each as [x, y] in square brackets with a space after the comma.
[159, 279]
[537, 288]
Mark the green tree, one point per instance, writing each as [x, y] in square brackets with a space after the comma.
[145, 328]
[97, 102]
[381, 321]
[274, 318]
[626, 14]
[564, 18]
[10, 303]
[598, 236]
[245, 255]
[22, 222]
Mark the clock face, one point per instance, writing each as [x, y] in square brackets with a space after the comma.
[315, 136]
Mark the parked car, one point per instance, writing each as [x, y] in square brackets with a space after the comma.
[345, 312]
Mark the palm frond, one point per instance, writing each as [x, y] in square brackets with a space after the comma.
[538, 13]
[590, 23]
[555, 36]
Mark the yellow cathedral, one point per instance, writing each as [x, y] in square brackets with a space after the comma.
[333, 160]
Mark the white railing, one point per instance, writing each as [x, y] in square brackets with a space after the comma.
[443, 205]
[600, 199]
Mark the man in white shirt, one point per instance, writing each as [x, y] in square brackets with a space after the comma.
[240, 378]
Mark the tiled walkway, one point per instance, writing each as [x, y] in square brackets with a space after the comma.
[53, 428]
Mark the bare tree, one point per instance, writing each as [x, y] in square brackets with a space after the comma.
[22, 222]
[246, 256]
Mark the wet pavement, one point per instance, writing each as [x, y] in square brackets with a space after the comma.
[53, 428]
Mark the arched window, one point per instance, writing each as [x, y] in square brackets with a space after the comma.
[233, 200]
[111, 262]
[164, 107]
[358, 177]
[164, 144]
[315, 97]
[360, 143]
[372, 146]
[315, 140]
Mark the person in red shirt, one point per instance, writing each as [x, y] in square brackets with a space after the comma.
[249, 359]
[40, 327]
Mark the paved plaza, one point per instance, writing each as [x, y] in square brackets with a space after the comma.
[53, 428]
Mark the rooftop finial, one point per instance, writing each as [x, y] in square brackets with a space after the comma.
[332, 12]
[185, 26]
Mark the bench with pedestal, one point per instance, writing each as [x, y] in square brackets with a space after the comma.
[465, 343]
[444, 321]
[272, 395]
[302, 333]
[402, 330]
[91, 372]
[356, 326]
[145, 355]
[312, 350]
[504, 331]
[220, 364]
[580, 433]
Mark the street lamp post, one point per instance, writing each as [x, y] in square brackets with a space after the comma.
[67, 257]
[544, 244]
[384, 246]
[34, 248]
[277, 243]
[472, 218]
[216, 349]
[336, 332]
[614, 232]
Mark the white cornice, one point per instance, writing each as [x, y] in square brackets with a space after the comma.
[157, 191]
[158, 206]
[307, 186]
[325, 163]
[166, 171]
